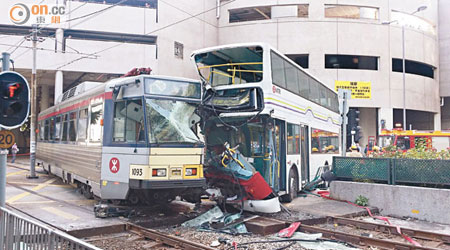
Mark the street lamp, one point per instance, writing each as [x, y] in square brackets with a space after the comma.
[421, 8]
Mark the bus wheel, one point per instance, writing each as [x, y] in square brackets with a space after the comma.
[293, 186]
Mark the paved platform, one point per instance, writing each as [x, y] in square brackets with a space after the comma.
[310, 208]
[50, 200]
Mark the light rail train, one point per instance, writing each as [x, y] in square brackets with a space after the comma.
[132, 138]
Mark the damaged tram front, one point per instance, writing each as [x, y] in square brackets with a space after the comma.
[264, 117]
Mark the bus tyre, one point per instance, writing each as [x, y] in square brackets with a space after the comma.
[293, 185]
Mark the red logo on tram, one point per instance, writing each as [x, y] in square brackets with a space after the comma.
[114, 165]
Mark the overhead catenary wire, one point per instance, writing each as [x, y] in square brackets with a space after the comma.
[151, 32]
[43, 49]
[51, 37]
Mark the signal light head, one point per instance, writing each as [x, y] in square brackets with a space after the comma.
[14, 99]
[11, 90]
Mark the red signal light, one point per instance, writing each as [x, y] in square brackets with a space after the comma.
[13, 88]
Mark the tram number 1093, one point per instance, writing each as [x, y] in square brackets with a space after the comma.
[137, 172]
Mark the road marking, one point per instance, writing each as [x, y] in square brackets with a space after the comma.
[73, 202]
[36, 184]
[17, 173]
[60, 213]
[24, 194]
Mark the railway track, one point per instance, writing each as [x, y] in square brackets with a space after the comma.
[132, 236]
[368, 234]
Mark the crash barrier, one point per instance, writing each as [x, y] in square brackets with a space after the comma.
[18, 232]
[393, 171]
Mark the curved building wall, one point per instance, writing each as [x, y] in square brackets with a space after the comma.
[318, 35]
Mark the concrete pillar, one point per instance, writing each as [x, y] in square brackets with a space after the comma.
[58, 84]
[59, 35]
[368, 123]
[437, 121]
[386, 116]
[45, 96]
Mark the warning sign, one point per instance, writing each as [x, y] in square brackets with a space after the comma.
[360, 90]
[7, 139]
[114, 165]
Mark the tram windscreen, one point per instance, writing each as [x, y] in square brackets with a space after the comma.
[231, 65]
[168, 121]
[173, 88]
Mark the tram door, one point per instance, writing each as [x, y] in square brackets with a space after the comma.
[304, 148]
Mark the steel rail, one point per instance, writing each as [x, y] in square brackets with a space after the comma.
[173, 241]
[419, 234]
[361, 240]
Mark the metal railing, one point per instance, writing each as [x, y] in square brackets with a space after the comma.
[393, 171]
[19, 233]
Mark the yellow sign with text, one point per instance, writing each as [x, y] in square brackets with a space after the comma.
[360, 90]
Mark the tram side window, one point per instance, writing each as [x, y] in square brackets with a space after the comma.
[41, 130]
[73, 126]
[324, 142]
[129, 121]
[293, 137]
[58, 128]
[95, 127]
[65, 122]
[52, 128]
[82, 124]
[46, 129]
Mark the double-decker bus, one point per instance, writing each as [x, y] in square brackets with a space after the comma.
[284, 120]
[131, 138]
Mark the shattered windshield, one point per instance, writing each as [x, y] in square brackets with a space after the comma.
[169, 121]
[231, 65]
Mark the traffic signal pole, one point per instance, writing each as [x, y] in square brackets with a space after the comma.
[3, 152]
[33, 116]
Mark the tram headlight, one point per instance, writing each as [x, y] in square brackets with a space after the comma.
[191, 171]
[158, 172]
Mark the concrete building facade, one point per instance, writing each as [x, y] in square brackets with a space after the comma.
[335, 40]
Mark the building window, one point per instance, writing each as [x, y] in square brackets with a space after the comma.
[178, 50]
[152, 4]
[351, 62]
[268, 12]
[303, 10]
[412, 67]
[412, 21]
[351, 11]
[301, 60]
[250, 14]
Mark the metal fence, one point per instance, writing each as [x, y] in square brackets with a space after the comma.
[393, 171]
[19, 233]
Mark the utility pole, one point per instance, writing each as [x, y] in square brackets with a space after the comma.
[344, 95]
[33, 117]
[3, 152]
